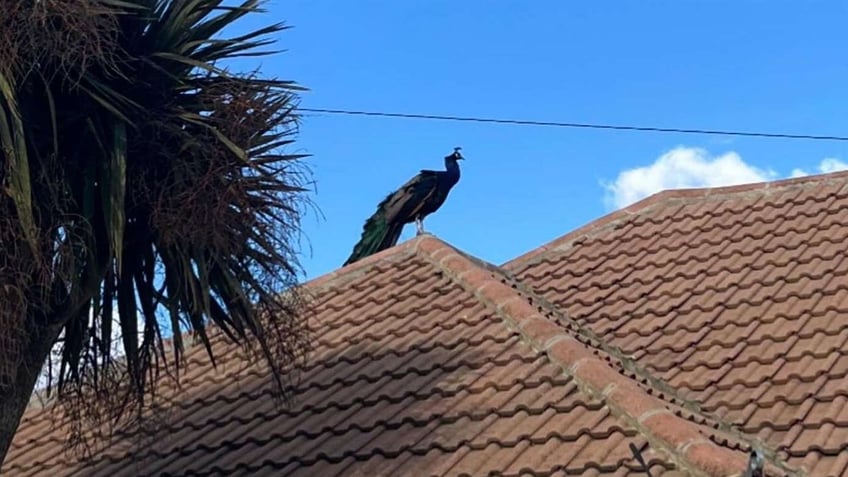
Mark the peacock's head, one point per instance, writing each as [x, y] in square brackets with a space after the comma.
[456, 154]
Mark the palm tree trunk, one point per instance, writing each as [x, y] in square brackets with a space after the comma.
[14, 399]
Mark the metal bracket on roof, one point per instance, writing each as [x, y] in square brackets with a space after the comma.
[638, 455]
[755, 464]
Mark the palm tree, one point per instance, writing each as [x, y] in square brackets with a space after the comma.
[143, 180]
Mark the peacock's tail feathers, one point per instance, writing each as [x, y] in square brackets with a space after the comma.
[377, 234]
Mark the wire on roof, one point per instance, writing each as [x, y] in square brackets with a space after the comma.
[574, 125]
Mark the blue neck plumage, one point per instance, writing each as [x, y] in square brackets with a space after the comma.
[452, 167]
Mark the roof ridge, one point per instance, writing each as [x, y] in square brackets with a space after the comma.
[638, 371]
[677, 436]
[44, 400]
[663, 197]
[359, 267]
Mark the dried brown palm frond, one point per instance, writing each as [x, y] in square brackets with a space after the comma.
[142, 181]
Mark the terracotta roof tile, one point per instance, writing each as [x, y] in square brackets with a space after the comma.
[426, 361]
[694, 325]
[733, 296]
[414, 371]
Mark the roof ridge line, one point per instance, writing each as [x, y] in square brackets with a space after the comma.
[358, 267]
[599, 225]
[660, 385]
[40, 400]
[678, 437]
[651, 202]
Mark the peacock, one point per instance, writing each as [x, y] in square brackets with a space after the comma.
[412, 202]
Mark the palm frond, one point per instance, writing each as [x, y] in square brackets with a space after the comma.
[152, 186]
[12, 141]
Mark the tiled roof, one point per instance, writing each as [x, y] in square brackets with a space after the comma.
[427, 363]
[737, 297]
[695, 325]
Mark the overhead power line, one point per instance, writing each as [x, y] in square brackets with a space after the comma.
[574, 125]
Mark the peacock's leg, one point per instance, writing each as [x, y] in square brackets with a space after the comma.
[419, 225]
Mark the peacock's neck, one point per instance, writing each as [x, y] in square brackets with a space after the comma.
[452, 169]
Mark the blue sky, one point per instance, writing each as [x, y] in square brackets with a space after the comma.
[774, 66]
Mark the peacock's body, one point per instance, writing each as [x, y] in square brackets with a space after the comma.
[419, 197]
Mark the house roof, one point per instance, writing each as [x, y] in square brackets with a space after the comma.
[426, 362]
[737, 297]
[695, 325]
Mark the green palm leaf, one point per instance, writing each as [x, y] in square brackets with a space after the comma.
[151, 187]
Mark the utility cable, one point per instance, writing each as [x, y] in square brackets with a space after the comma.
[574, 125]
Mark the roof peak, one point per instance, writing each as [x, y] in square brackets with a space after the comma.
[579, 354]
[586, 359]
[355, 269]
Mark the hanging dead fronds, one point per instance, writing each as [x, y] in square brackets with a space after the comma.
[146, 190]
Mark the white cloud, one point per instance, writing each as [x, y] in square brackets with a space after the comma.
[832, 164]
[687, 167]
[828, 164]
[798, 173]
[681, 168]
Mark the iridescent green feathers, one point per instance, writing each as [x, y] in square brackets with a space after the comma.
[420, 196]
